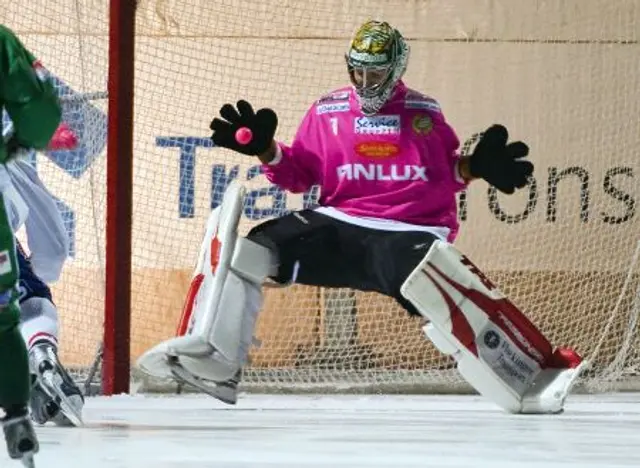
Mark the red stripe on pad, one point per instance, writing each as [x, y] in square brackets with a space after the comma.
[509, 318]
[187, 310]
[460, 326]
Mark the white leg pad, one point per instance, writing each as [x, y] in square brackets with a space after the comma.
[216, 330]
[497, 349]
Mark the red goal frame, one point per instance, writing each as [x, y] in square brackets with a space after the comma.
[116, 348]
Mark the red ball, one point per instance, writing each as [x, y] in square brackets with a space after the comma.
[244, 135]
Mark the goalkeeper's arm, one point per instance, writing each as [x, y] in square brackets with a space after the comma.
[27, 95]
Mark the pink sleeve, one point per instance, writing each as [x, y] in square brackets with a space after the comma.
[451, 144]
[298, 167]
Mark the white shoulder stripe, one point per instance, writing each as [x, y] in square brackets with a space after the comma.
[422, 104]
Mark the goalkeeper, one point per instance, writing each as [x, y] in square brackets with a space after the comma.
[387, 165]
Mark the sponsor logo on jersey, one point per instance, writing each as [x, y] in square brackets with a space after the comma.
[422, 124]
[330, 108]
[377, 149]
[381, 172]
[340, 96]
[377, 125]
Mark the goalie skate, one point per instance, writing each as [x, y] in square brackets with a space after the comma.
[22, 443]
[226, 392]
[52, 381]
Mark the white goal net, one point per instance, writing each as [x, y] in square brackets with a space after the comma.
[562, 75]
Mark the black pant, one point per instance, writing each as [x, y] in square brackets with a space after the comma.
[335, 254]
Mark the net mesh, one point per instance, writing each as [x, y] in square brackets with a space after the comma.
[563, 76]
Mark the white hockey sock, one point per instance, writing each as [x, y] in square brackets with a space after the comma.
[38, 321]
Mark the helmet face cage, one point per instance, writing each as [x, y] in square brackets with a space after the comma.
[376, 60]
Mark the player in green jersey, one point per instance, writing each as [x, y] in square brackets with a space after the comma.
[32, 104]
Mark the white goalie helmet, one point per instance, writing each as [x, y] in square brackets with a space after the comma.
[376, 60]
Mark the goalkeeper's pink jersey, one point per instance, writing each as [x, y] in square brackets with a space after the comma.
[399, 165]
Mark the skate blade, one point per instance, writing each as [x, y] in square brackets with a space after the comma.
[28, 460]
[51, 384]
[182, 375]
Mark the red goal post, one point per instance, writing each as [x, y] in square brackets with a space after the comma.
[116, 349]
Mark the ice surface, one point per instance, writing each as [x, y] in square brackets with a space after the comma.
[342, 431]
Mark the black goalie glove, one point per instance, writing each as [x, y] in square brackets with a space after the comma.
[262, 125]
[499, 163]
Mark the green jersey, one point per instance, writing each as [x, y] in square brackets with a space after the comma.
[26, 94]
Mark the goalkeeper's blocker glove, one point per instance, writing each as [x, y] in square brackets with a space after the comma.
[262, 125]
[499, 163]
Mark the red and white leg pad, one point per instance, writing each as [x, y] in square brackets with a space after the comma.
[220, 312]
[497, 349]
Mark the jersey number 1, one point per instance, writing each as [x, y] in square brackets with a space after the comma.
[334, 125]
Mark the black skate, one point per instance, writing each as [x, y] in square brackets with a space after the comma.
[226, 392]
[22, 443]
[54, 396]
